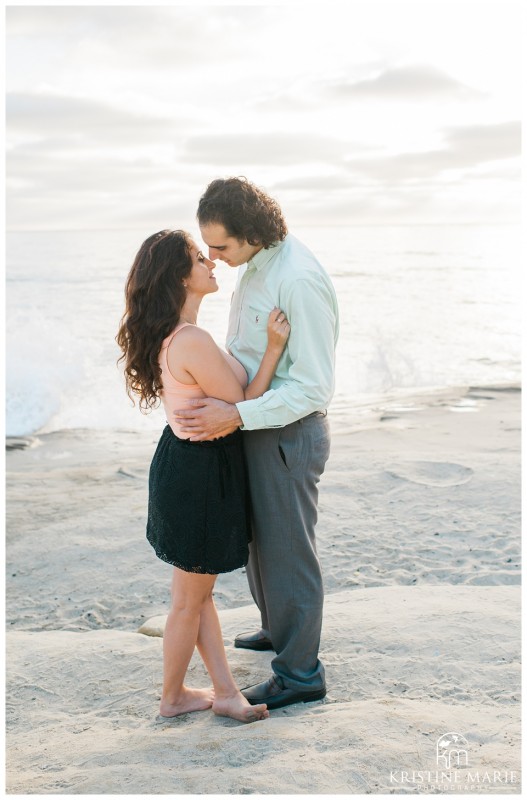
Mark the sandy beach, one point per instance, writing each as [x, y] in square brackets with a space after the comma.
[419, 539]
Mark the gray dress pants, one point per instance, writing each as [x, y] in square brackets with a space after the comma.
[284, 466]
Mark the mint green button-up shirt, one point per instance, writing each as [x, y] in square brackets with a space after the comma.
[288, 276]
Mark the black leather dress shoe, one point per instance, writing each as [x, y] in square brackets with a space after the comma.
[274, 695]
[253, 641]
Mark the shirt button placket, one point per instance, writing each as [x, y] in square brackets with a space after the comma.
[243, 289]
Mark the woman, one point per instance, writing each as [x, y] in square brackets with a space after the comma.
[197, 509]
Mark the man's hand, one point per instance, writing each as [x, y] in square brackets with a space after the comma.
[208, 419]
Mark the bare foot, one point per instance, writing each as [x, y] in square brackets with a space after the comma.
[189, 700]
[237, 707]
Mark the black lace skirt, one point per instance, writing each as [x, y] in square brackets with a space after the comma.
[198, 504]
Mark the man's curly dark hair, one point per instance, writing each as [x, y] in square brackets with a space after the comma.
[245, 211]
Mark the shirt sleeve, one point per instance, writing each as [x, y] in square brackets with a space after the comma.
[311, 309]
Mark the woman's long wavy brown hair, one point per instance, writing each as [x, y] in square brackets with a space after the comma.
[154, 296]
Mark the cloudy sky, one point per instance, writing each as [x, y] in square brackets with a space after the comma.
[353, 113]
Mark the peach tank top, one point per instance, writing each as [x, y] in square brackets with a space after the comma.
[176, 395]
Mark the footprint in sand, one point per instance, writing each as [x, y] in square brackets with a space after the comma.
[432, 473]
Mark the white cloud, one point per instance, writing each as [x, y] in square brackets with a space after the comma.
[38, 114]
[465, 147]
[414, 82]
[316, 183]
[265, 148]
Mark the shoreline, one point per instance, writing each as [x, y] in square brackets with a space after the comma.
[369, 412]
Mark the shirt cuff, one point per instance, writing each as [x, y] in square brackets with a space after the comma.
[255, 414]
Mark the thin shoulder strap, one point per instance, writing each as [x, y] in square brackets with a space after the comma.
[179, 327]
[165, 348]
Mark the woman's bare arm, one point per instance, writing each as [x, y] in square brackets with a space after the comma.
[194, 355]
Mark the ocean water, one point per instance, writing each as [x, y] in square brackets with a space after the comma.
[422, 308]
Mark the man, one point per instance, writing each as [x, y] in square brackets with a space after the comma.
[286, 432]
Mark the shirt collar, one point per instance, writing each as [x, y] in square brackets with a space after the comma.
[263, 256]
